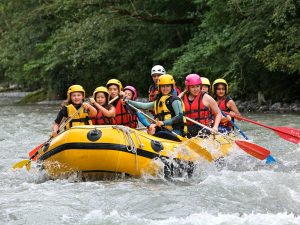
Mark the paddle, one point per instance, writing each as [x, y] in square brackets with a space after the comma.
[270, 159]
[198, 149]
[287, 133]
[250, 148]
[33, 153]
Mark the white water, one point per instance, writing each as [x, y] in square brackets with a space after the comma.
[246, 191]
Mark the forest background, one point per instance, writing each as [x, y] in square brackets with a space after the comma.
[49, 45]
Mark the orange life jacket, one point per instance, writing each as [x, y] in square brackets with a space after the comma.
[197, 110]
[100, 119]
[124, 116]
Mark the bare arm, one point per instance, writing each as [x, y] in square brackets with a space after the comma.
[233, 108]
[106, 112]
[55, 128]
[209, 102]
[92, 112]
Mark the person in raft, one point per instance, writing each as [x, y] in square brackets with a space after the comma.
[168, 109]
[122, 116]
[156, 72]
[75, 98]
[205, 86]
[225, 103]
[130, 93]
[105, 111]
[200, 107]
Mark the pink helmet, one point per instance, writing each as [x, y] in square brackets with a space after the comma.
[130, 88]
[192, 79]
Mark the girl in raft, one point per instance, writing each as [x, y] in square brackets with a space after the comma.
[200, 107]
[205, 86]
[131, 94]
[225, 103]
[106, 112]
[75, 98]
[168, 109]
[124, 116]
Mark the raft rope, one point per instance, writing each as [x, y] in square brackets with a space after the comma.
[131, 147]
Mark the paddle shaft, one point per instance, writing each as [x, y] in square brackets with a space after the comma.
[114, 99]
[251, 148]
[236, 126]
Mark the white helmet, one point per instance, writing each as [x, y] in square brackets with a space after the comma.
[158, 69]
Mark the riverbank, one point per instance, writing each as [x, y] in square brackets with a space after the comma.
[243, 106]
[280, 107]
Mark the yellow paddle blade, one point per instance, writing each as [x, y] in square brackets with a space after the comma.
[28, 165]
[21, 164]
[199, 149]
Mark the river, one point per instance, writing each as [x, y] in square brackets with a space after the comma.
[245, 191]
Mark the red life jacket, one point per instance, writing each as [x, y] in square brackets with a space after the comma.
[222, 103]
[178, 90]
[153, 90]
[124, 117]
[197, 110]
[133, 120]
[100, 119]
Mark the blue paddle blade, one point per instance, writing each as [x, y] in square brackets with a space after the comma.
[270, 160]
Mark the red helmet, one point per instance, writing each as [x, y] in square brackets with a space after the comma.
[130, 88]
[192, 79]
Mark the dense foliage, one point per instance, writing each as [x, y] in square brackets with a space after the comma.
[55, 43]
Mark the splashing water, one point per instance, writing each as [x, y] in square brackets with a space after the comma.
[243, 191]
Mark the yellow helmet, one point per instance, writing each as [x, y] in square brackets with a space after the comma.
[75, 88]
[100, 89]
[205, 81]
[166, 79]
[219, 81]
[116, 82]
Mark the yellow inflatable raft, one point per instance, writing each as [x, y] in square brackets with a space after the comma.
[102, 150]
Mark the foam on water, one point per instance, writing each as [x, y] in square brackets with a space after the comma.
[97, 217]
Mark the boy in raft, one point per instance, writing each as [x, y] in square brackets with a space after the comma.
[199, 106]
[131, 94]
[168, 109]
[156, 72]
[225, 103]
[123, 115]
[75, 98]
[205, 86]
[106, 112]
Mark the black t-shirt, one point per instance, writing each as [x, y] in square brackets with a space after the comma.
[64, 113]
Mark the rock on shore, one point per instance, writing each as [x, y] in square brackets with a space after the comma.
[253, 106]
